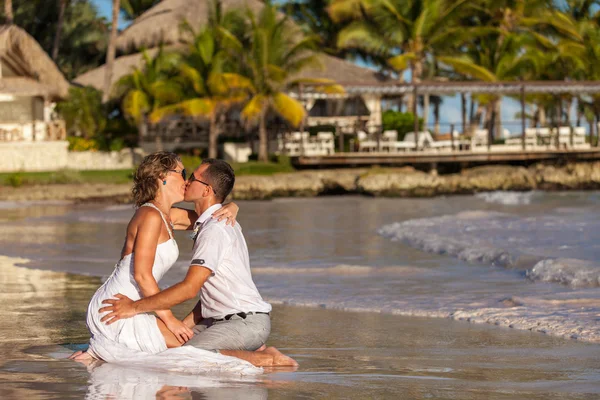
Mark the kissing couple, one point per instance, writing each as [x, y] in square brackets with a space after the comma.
[228, 328]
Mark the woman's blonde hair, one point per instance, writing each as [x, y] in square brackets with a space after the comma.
[154, 166]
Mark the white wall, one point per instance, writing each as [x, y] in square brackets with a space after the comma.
[33, 156]
[54, 156]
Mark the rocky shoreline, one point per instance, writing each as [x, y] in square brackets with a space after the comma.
[388, 182]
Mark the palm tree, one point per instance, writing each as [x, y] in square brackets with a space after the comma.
[211, 90]
[62, 4]
[407, 32]
[134, 8]
[277, 54]
[505, 51]
[149, 88]
[110, 55]
[207, 74]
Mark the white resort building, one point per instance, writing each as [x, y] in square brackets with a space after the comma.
[30, 84]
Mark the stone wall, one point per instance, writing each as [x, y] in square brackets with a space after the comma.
[95, 160]
[54, 155]
[33, 156]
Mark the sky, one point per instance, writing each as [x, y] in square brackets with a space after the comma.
[450, 108]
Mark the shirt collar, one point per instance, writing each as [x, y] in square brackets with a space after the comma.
[208, 213]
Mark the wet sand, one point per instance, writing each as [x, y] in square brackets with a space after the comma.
[341, 354]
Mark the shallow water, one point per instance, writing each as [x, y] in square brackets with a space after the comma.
[417, 257]
[341, 355]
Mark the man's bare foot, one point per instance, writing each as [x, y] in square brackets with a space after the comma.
[280, 359]
[262, 348]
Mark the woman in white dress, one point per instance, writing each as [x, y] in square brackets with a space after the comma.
[148, 253]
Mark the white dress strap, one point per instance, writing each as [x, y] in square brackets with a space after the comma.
[162, 216]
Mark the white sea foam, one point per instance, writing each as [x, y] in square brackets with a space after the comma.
[507, 197]
[572, 272]
[556, 247]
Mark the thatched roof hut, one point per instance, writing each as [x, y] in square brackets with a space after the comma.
[26, 68]
[161, 24]
[342, 71]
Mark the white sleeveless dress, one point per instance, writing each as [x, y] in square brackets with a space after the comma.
[138, 340]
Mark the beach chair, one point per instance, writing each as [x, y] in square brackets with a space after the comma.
[429, 142]
[364, 143]
[530, 139]
[387, 138]
[289, 144]
[409, 140]
[326, 142]
[479, 140]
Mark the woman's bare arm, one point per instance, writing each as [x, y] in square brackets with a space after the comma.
[144, 249]
[183, 220]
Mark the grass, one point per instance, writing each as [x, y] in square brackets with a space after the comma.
[17, 179]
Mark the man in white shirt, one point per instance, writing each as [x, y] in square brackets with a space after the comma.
[231, 314]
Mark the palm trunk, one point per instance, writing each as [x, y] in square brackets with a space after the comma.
[436, 118]
[142, 130]
[542, 116]
[499, 130]
[263, 141]
[110, 54]
[61, 17]
[416, 72]
[8, 11]
[213, 134]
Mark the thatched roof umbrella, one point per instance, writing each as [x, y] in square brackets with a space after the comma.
[37, 74]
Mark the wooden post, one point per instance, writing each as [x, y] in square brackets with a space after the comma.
[452, 134]
[340, 134]
[523, 117]
[463, 100]
[416, 115]
[571, 133]
[378, 139]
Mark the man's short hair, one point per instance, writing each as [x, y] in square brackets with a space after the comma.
[220, 176]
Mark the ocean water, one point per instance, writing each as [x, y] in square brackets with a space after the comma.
[522, 260]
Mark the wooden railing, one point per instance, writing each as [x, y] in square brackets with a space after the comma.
[33, 131]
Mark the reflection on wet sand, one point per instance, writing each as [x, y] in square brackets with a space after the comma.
[108, 381]
[341, 354]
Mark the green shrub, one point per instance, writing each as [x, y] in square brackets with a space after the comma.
[82, 144]
[400, 122]
[15, 180]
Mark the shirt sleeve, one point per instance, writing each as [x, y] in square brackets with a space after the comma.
[211, 246]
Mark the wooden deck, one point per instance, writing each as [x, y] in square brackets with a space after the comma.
[440, 158]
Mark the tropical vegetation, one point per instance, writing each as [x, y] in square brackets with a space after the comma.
[248, 63]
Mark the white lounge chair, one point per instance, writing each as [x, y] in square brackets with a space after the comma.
[387, 139]
[326, 142]
[429, 142]
[479, 139]
[364, 143]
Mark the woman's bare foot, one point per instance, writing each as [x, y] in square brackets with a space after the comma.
[82, 357]
[262, 348]
[280, 359]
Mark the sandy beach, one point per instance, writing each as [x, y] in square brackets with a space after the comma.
[341, 354]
